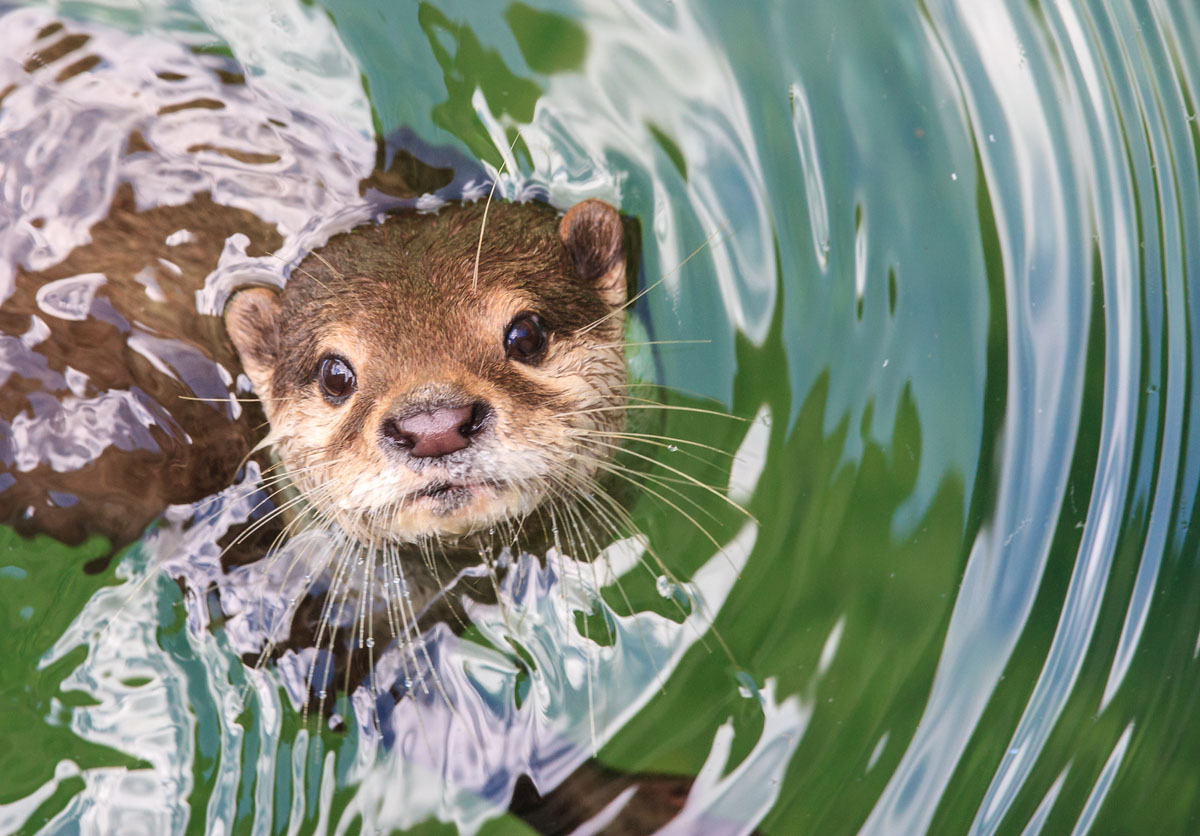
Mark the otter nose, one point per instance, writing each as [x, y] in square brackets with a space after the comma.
[436, 432]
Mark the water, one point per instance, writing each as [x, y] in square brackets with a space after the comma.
[946, 277]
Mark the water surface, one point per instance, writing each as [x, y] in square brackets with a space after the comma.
[943, 264]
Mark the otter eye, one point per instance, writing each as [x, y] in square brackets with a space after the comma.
[336, 379]
[525, 339]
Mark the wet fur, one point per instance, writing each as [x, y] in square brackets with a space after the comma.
[415, 312]
[190, 452]
[401, 303]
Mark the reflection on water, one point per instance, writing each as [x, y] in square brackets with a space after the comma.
[948, 254]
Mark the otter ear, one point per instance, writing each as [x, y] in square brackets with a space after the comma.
[252, 320]
[592, 232]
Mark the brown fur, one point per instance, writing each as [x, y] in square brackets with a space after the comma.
[194, 450]
[401, 302]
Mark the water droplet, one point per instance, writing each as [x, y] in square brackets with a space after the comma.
[664, 586]
[991, 137]
[408, 682]
[953, 175]
[322, 694]
[747, 687]
[370, 642]
[672, 448]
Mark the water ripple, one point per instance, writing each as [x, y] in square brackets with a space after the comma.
[1030, 192]
[949, 273]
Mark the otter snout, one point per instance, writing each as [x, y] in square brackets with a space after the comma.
[437, 431]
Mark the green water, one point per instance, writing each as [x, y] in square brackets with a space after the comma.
[949, 249]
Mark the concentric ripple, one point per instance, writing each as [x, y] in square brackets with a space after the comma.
[939, 254]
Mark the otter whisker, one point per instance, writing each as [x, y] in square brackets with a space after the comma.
[253, 486]
[588, 660]
[665, 440]
[232, 397]
[250, 487]
[649, 384]
[264, 520]
[588, 436]
[598, 514]
[485, 555]
[329, 625]
[268, 517]
[486, 207]
[287, 616]
[622, 512]
[406, 641]
[300, 269]
[617, 509]
[553, 508]
[662, 279]
[336, 273]
[669, 407]
[679, 510]
[640, 399]
[251, 399]
[409, 630]
[652, 342]
[359, 628]
[687, 477]
[636, 385]
[437, 681]
[665, 482]
[590, 504]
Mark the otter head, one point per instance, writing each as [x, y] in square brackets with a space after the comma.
[409, 397]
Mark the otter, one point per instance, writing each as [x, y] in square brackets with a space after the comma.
[413, 393]
[410, 397]
[444, 382]
[448, 380]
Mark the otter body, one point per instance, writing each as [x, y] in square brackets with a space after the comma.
[395, 308]
[476, 356]
[105, 356]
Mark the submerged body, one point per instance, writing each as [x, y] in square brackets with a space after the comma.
[431, 381]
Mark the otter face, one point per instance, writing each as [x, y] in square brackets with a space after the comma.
[409, 398]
